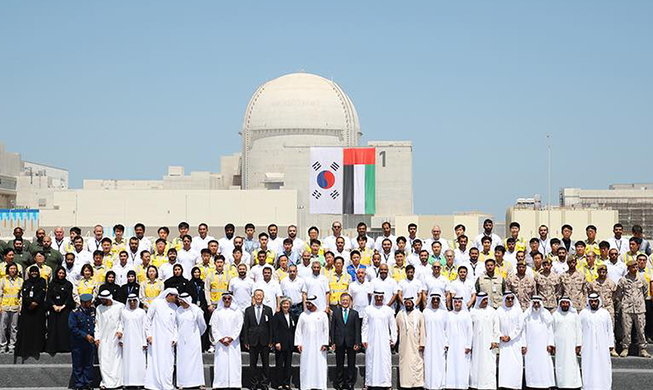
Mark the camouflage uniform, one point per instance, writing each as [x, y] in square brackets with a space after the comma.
[631, 294]
[523, 287]
[606, 291]
[574, 285]
[549, 288]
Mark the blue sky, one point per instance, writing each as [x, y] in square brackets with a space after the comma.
[123, 89]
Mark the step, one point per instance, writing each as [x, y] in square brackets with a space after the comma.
[54, 371]
[632, 361]
[59, 375]
[64, 358]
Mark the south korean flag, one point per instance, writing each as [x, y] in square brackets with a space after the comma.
[325, 189]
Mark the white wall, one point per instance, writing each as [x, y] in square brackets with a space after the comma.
[169, 207]
[472, 222]
[394, 181]
[530, 221]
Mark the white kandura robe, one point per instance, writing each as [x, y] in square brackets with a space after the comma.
[435, 363]
[485, 329]
[311, 334]
[107, 324]
[190, 327]
[411, 332]
[567, 336]
[378, 330]
[161, 325]
[538, 335]
[598, 338]
[133, 341]
[459, 335]
[511, 360]
[227, 371]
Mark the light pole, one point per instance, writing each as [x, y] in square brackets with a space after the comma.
[548, 141]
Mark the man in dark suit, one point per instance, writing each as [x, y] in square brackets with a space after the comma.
[256, 337]
[345, 335]
[283, 340]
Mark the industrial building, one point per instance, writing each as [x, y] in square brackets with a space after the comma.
[634, 202]
[266, 182]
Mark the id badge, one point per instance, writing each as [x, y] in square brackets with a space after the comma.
[494, 288]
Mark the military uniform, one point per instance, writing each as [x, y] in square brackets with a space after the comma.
[606, 290]
[647, 274]
[82, 323]
[523, 287]
[574, 285]
[549, 288]
[631, 294]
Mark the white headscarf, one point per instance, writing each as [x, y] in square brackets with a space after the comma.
[457, 298]
[515, 301]
[440, 306]
[477, 304]
[168, 291]
[404, 313]
[594, 296]
[572, 309]
[373, 301]
[186, 298]
[129, 298]
[234, 305]
[542, 313]
[106, 294]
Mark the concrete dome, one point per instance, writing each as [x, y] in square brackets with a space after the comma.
[302, 101]
[284, 118]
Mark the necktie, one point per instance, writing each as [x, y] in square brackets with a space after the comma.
[258, 314]
[346, 313]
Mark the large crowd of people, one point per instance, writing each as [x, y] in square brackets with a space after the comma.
[448, 308]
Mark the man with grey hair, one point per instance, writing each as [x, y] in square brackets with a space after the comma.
[59, 242]
[436, 231]
[95, 243]
[318, 285]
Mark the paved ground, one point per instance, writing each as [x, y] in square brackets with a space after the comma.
[52, 373]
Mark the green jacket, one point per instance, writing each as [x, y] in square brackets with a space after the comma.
[53, 259]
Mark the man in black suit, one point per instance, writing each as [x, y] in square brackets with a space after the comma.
[283, 339]
[256, 337]
[345, 335]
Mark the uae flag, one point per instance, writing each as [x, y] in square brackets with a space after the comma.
[342, 181]
[359, 181]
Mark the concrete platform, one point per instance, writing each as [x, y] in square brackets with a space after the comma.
[53, 372]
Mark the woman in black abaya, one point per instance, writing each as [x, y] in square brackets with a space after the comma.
[109, 284]
[197, 292]
[177, 280]
[31, 324]
[59, 303]
[131, 287]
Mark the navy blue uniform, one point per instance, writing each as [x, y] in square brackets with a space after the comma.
[82, 323]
